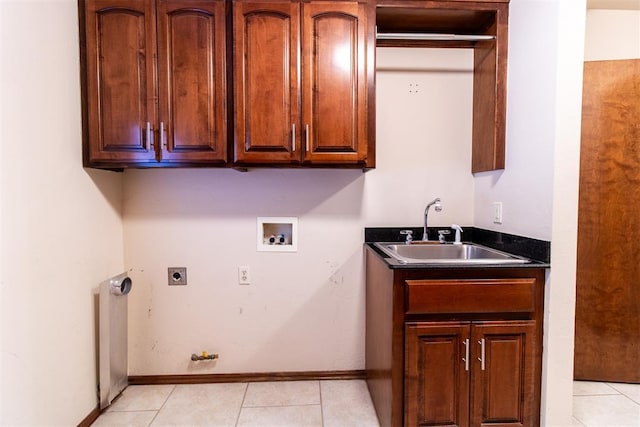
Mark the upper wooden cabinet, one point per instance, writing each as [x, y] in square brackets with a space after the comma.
[301, 83]
[154, 82]
[463, 17]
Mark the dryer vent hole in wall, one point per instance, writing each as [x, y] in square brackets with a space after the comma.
[177, 276]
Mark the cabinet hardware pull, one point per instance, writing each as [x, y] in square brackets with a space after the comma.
[149, 142]
[466, 355]
[306, 135]
[293, 137]
[163, 141]
[481, 358]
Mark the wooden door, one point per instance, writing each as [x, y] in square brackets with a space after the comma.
[607, 347]
[437, 374]
[266, 79]
[120, 92]
[191, 81]
[503, 374]
[334, 91]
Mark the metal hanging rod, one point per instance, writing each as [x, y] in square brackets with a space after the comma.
[432, 37]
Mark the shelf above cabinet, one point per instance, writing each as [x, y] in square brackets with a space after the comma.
[478, 25]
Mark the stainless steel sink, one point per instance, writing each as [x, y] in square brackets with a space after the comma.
[447, 253]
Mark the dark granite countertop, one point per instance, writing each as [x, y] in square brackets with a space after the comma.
[535, 250]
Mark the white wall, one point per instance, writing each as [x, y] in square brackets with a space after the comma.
[61, 226]
[525, 186]
[560, 292]
[539, 186]
[612, 34]
[304, 310]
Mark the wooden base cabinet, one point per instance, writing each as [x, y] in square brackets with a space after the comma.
[463, 373]
[154, 82]
[452, 346]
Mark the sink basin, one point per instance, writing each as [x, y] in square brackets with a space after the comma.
[447, 253]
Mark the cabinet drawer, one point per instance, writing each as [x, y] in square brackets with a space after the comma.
[470, 296]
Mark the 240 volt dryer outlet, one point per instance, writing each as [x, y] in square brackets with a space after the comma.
[177, 276]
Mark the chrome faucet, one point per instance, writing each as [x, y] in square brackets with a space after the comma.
[438, 208]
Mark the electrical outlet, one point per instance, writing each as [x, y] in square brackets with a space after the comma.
[177, 275]
[497, 212]
[243, 275]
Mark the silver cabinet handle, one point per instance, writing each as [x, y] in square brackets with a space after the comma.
[293, 137]
[306, 136]
[482, 358]
[163, 141]
[149, 142]
[466, 354]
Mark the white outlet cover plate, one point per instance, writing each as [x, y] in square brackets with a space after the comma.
[244, 275]
[497, 212]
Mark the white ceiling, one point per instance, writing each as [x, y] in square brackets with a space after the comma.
[614, 4]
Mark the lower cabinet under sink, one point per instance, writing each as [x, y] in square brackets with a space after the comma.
[456, 346]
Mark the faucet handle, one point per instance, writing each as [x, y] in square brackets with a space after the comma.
[441, 234]
[408, 234]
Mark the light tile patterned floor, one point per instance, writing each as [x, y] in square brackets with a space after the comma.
[597, 404]
[319, 403]
[268, 404]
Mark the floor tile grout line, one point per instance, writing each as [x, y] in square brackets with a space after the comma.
[623, 393]
[633, 401]
[321, 403]
[578, 420]
[244, 397]
[599, 394]
[293, 405]
[163, 404]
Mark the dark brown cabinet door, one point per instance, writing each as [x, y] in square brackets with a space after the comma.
[266, 61]
[437, 374]
[119, 85]
[155, 85]
[470, 374]
[300, 83]
[334, 113]
[191, 81]
[504, 359]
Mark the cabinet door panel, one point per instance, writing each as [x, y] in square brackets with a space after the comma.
[334, 86]
[120, 88]
[266, 37]
[503, 385]
[436, 380]
[191, 74]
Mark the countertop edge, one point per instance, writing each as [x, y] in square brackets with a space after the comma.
[441, 266]
[536, 250]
